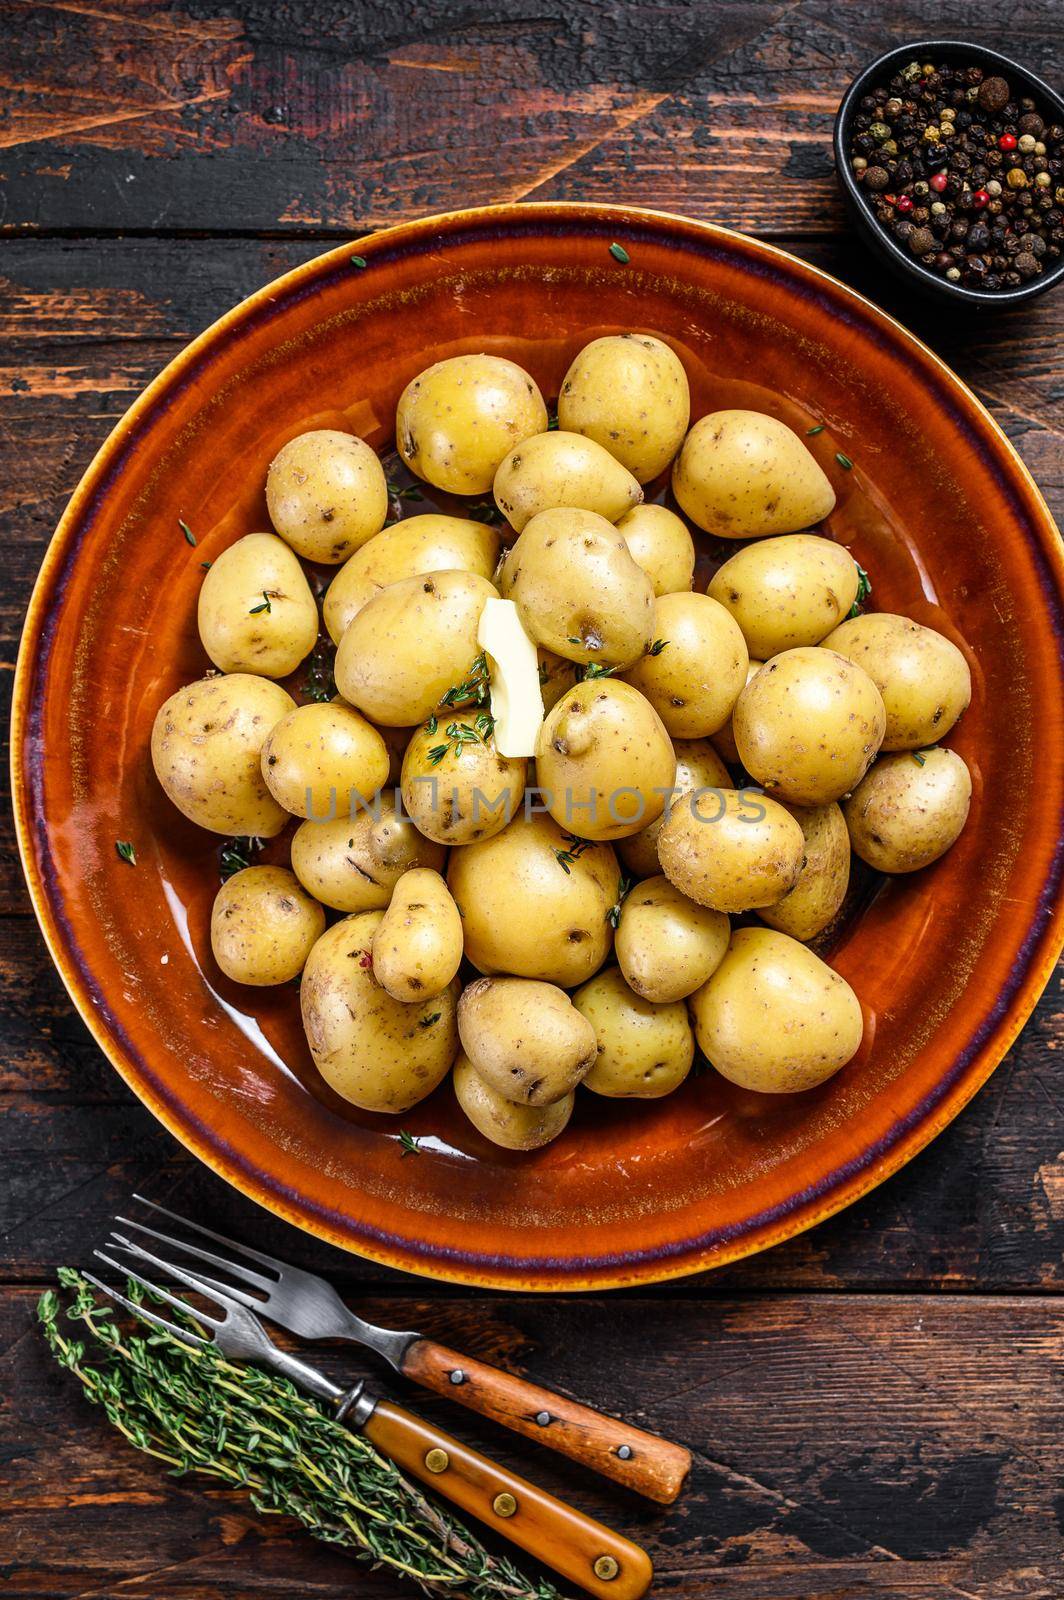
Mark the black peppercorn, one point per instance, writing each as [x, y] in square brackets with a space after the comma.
[921, 241]
[1027, 265]
[993, 95]
[876, 179]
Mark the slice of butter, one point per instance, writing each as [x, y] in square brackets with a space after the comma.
[513, 665]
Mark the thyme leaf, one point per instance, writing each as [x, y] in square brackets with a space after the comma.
[408, 1144]
[125, 851]
[190, 537]
[864, 591]
[619, 253]
[265, 606]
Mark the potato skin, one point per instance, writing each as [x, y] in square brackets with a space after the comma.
[237, 631]
[354, 863]
[205, 747]
[525, 1039]
[824, 879]
[698, 766]
[559, 469]
[658, 541]
[774, 1017]
[724, 738]
[523, 913]
[693, 682]
[507, 1123]
[604, 758]
[643, 1051]
[924, 679]
[903, 816]
[376, 1052]
[808, 726]
[667, 945]
[731, 849]
[320, 758]
[406, 549]
[744, 475]
[417, 948]
[470, 793]
[578, 591]
[787, 592]
[327, 494]
[458, 418]
[264, 925]
[628, 392]
[410, 644]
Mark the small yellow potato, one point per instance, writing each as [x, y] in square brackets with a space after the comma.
[695, 678]
[629, 392]
[808, 726]
[659, 542]
[556, 677]
[724, 738]
[732, 849]
[458, 418]
[264, 925]
[666, 945]
[429, 543]
[327, 494]
[605, 761]
[535, 901]
[698, 766]
[256, 612]
[787, 592]
[470, 791]
[322, 759]
[508, 1123]
[642, 1051]
[924, 679]
[743, 475]
[815, 900]
[774, 1017]
[410, 645]
[909, 809]
[560, 469]
[578, 591]
[417, 948]
[205, 748]
[354, 863]
[375, 1051]
[525, 1039]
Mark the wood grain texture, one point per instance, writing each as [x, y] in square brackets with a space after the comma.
[845, 1446]
[642, 1462]
[872, 1406]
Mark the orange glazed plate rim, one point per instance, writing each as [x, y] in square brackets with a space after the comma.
[834, 1190]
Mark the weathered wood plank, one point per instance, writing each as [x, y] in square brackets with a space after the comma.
[142, 116]
[843, 1446]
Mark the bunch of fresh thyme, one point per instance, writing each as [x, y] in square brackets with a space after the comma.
[196, 1412]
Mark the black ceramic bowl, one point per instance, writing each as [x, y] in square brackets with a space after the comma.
[899, 260]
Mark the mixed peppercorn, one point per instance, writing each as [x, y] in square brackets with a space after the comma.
[966, 175]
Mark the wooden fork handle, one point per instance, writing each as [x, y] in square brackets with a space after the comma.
[651, 1466]
[577, 1547]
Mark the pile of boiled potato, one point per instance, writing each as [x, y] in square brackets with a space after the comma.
[551, 765]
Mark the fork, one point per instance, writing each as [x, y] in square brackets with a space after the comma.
[310, 1307]
[576, 1546]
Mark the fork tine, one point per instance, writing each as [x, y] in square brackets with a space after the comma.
[190, 1279]
[194, 1280]
[184, 1334]
[245, 1274]
[164, 1294]
[219, 1238]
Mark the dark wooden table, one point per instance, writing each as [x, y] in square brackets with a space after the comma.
[874, 1408]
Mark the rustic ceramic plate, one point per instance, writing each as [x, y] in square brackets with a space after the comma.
[948, 963]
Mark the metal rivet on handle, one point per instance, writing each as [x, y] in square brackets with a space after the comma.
[543, 1418]
[606, 1567]
[504, 1505]
[625, 1452]
[457, 1376]
[437, 1460]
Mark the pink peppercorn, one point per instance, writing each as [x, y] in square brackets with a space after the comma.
[1007, 141]
[904, 205]
[980, 199]
[938, 182]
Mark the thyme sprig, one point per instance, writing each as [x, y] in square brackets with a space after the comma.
[459, 734]
[864, 591]
[319, 683]
[574, 849]
[624, 888]
[236, 854]
[193, 1411]
[474, 688]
